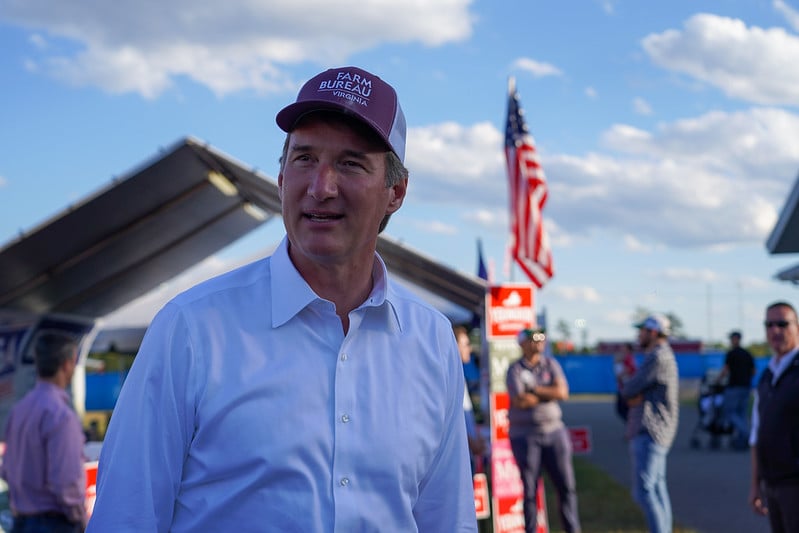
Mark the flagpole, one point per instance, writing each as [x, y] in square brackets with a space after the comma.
[508, 254]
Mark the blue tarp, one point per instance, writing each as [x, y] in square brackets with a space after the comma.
[593, 374]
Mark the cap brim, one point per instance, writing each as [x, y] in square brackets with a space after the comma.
[288, 117]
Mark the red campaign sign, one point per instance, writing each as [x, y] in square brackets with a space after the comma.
[505, 473]
[91, 486]
[509, 517]
[581, 439]
[510, 513]
[499, 416]
[481, 502]
[509, 309]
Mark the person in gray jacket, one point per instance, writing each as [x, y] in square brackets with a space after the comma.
[652, 421]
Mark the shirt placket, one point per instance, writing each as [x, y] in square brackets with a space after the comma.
[345, 479]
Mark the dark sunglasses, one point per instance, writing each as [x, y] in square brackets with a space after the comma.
[782, 324]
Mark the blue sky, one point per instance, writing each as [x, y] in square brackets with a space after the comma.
[667, 130]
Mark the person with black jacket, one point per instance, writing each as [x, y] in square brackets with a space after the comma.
[738, 369]
[774, 440]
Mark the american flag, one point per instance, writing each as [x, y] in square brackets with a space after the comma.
[529, 245]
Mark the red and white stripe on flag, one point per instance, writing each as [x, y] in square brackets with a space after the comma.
[529, 244]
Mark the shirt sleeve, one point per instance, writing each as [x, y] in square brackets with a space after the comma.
[643, 378]
[446, 494]
[512, 382]
[141, 460]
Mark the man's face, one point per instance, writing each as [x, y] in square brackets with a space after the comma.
[333, 193]
[533, 346]
[646, 336]
[464, 347]
[782, 331]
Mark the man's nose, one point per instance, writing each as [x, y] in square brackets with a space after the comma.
[323, 183]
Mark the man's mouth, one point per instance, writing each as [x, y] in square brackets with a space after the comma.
[323, 217]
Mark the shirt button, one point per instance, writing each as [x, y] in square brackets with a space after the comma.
[345, 418]
[344, 357]
[344, 482]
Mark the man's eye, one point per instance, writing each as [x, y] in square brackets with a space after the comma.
[352, 164]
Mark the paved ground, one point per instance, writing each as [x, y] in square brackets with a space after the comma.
[708, 488]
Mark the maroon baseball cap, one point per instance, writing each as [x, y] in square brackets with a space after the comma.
[355, 92]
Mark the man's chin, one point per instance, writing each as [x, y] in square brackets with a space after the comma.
[318, 250]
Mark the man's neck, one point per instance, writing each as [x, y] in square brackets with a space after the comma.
[347, 286]
[59, 380]
[779, 356]
[533, 358]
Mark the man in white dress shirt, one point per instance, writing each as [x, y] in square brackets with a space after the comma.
[307, 391]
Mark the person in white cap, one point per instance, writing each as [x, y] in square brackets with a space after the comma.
[307, 391]
[652, 394]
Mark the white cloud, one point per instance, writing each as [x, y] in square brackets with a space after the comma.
[487, 218]
[436, 226]
[143, 47]
[591, 93]
[608, 6]
[634, 245]
[749, 63]
[642, 107]
[703, 275]
[449, 162]
[754, 282]
[537, 68]
[577, 294]
[712, 181]
[38, 41]
[790, 14]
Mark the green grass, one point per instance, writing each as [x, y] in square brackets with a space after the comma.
[605, 505]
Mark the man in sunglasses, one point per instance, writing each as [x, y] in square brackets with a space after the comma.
[538, 438]
[774, 440]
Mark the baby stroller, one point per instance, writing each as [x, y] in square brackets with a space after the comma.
[711, 411]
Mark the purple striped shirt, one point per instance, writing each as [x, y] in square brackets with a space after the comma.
[43, 462]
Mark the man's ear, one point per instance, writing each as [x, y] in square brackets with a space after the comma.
[398, 192]
[280, 186]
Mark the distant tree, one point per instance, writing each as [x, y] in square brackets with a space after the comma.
[564, 330]
[677, 330]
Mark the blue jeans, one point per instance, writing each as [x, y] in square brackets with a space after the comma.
[44, 524]
[649, 482]
[736, 401]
